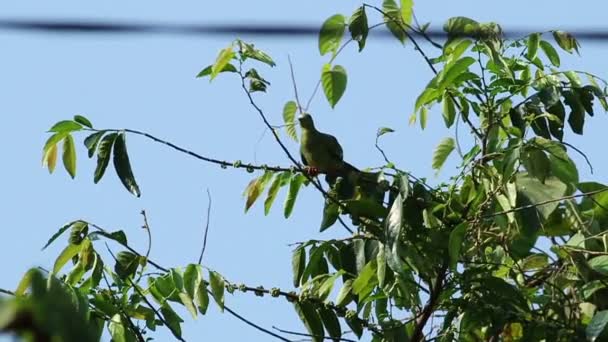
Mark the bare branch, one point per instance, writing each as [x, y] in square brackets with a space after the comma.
[323, 337]
[200, 258]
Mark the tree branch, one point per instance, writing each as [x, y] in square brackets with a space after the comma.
[200, 258]
[429, 308]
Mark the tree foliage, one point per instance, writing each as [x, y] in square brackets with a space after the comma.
[511, 248]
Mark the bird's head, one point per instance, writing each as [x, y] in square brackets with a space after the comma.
[306, 121]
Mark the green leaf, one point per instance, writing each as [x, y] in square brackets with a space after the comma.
[550, 52]
[358, 27]
[355, 325]
[217, 288]
[83, 121]
[294, 187]
[536, 163]
[188, 303]
[455, 243]
[334, 83]
[461, 26]
[576, 119]
[311, 319]
[58, 233]
[298, 263]
[533, 42]
[344, 295]
[69, 155]
[25, 282]
[289, 116]
[126, 264]
[207, 71]
[407, 11]
[49, 151]
[255, 188]
[92, 141]
[384, 130]
[202, 298]
[566, 41]
[442, 151]
[392, 18]
[366, 280]
[331, 34]
[331, 322]
[423, 116]
[330, 214]
[596, 326]
[451, 72]
[392, 230]
[172, 319]
[66, 126]
[223, 58]
[117, 330]
[103, 155]
[537, 192]
[66, 255]
[123, 166]
[280, 180]
[249, 51]
[449, 110]
[599, 264]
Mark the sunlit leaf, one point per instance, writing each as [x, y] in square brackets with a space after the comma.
[294, 187]
[442, 151]
[289, 116]
[334, 83]
[69, 155]
[221, 61]
[331, 34]
[217, 288]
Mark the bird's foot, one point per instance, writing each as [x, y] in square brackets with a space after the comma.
[311, 171]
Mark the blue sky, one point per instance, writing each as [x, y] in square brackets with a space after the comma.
[147, 82]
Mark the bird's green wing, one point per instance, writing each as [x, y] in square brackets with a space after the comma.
[332, 146]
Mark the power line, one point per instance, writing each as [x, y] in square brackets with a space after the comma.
[76, 26]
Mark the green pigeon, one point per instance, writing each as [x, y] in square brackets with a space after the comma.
[322, 153]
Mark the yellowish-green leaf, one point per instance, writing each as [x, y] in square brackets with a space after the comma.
[69, 155]
[66, 255]
[407, 11]
[289, 118]
[221, 61]
[443, 150]
[255, 188]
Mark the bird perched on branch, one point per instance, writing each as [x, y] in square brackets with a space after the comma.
[321, 152]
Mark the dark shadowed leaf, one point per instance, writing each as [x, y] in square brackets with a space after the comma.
[311, 319]
[92, 141]
[597, 325]
[83, 121]
[123, 166]
[103, 155]
[455, 243]
[298, 263]
[358, 27]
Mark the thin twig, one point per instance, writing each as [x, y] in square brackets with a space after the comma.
[293, 82]
[581, 153]
[7, 292]
[528, 206]
[323, 337]
[243, 319]
[200, 258]
[116, 303]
